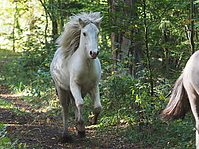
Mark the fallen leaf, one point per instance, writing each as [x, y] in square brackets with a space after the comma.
[48, 120]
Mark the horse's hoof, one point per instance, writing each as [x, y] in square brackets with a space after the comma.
[81, 134]
[92, 121]
[66, 139]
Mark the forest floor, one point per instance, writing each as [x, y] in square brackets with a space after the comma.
[42, 130]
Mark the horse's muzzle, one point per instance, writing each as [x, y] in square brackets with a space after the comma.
[93, 55]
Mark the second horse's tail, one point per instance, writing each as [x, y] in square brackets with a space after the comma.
[178, 104]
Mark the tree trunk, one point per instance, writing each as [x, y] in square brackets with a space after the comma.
[126, 44]
[192, 26]
[52, 16]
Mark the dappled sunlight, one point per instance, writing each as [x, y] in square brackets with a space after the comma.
[143, 48]
[24, 19]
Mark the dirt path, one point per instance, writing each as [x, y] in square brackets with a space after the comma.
[42, 130]
[37, 129]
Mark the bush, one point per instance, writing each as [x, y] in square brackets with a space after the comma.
[30, 72]
[129, 103]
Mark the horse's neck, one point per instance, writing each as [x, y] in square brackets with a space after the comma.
[81, 50]
[82, 43]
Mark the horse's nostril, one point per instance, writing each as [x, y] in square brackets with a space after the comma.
[94, 54]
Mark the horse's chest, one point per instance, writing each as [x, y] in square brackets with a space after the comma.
[87, 78]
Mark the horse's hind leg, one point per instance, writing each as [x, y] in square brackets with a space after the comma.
[94, 93]
[64, 100]
[194, 102]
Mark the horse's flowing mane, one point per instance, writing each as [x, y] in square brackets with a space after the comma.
[70, 38]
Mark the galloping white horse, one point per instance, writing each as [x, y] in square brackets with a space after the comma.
[76, 69]
[185, 95]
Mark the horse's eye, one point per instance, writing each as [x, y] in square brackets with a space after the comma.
[84, 34]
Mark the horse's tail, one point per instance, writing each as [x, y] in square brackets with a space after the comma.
[179, 104]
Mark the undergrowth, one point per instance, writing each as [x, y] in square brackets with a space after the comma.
[127, 102]
[28, 73]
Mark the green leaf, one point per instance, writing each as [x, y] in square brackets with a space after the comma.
[5, 140]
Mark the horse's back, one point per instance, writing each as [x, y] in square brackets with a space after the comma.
[193, 60]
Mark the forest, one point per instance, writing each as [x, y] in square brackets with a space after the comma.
[143, 48]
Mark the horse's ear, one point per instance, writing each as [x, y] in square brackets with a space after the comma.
[95, 13]
[97, 21]
[81, 22]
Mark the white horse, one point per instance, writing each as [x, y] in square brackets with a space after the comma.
[185, 95]
[76, 69]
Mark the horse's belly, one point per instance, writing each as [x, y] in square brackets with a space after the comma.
[87, 87]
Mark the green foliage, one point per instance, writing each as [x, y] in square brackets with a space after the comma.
[126, 101]
[30, 72]
[130, 104]
[127, 96]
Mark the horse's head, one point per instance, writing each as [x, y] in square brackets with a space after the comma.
[89, 33]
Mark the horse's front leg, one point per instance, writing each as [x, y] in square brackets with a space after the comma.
[94, 93]
[64, 100]
[79, 103]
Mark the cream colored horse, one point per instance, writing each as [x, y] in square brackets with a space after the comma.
[185, 94]
[76, 69]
